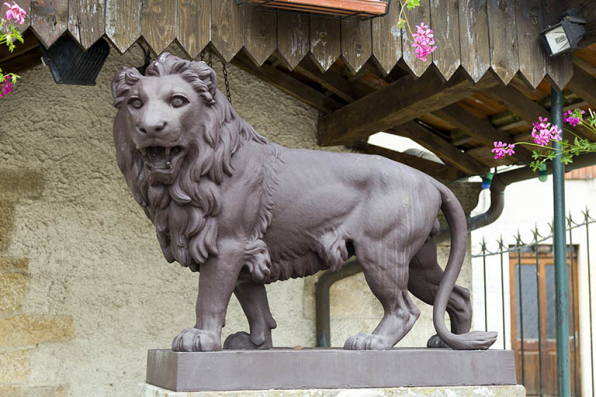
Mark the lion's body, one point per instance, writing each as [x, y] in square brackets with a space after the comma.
[325, 201]
[245, 212]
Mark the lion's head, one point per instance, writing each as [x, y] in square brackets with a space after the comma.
[175, 135]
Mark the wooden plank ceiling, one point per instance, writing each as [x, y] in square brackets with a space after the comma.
[488, 80]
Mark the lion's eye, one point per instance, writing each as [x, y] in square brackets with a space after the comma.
[178, 101]
[135, 103]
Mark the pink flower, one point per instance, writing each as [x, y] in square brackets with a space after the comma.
[16, 12]
[573, 117]
[423, 41]
[543, 132]
[6, 87]
[501, 149]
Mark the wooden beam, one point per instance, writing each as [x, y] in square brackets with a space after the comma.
[289, 85]
[486, 157]
[30, 43]
[445, 150]
[523, 106]
[586, 10]
[332, 82]
[583, 84]
[518, 103]
[482, 130]
[25, 61]
[399, 102]
[432, 168]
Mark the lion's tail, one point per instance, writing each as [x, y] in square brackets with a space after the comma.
[456, 220]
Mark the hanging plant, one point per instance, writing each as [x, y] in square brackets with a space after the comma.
[544, 133]
[8, 35]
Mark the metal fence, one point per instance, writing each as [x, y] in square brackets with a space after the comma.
[517, 294]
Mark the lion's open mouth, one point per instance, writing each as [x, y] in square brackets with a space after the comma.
[161, 163]
[159, 158]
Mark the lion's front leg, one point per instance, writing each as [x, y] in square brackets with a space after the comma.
[253, 299]
[216, 284]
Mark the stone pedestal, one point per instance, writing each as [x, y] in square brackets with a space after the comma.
[456, 391]
[312, 369]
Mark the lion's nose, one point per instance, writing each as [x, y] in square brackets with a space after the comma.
[152, 128]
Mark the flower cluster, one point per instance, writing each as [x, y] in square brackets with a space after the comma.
[423, 38]
[573, 117]
[8, 35]
[6, 86]
[423, 41]
[16, 12]
[501, 149]
[544, 132]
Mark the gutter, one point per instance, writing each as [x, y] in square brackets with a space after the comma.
[497, 203]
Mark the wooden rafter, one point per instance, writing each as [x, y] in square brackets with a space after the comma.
[522, 106]
[399, 102]
[445, 150]
[481, 130]
[585, 9]
[583, 84]
[434, 169]
[290, 85]
[332, 82]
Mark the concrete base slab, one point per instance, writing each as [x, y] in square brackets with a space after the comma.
[286, 369]
[456, 391]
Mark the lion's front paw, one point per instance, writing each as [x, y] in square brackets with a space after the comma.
[196, 340]
[363, 341]
[242, 341]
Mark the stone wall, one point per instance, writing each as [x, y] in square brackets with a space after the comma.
[22, 329]
[85, 290]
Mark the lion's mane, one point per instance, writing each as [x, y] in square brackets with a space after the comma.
[185, 213]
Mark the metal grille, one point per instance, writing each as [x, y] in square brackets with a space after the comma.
[533, 310]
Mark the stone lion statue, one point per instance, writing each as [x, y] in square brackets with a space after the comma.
[245, 212]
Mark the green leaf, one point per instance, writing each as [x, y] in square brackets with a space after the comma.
[412, 4]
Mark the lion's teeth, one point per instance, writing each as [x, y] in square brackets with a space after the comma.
[143, 151]
[168, 165]
[168, 151]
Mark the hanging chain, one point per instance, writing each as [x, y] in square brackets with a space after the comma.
[227, 81]
[209, 57]
[225, 71]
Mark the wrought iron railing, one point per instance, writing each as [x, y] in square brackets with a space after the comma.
[520, 255]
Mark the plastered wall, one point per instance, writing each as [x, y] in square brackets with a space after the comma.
[85, 289]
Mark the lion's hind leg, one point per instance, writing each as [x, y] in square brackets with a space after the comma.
[388, 281]
[253, 299]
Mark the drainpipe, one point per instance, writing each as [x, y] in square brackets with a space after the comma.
[497, 190]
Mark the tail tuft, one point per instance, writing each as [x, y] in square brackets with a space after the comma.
[476, 340]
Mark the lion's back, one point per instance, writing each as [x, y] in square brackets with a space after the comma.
[325, 198]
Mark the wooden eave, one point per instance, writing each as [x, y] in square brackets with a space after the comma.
[489, 79]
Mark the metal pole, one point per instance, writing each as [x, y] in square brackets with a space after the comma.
[561, 271]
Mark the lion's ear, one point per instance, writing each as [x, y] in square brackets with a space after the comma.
[122, 83]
